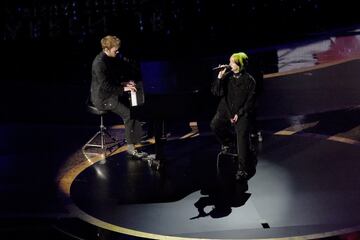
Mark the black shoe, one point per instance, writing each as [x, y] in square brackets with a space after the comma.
[241, 175]
[225, 148]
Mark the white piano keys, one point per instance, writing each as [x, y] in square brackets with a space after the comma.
[133, 99]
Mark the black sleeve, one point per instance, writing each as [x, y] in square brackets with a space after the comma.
[249, 105]
[218, 85]
[107, 83]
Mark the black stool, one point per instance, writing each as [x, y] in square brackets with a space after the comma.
[232, 155]
[102, 134]
[222, 154]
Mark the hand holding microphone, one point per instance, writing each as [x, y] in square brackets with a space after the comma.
[223, 68]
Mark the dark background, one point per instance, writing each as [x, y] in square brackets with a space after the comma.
[47, 46]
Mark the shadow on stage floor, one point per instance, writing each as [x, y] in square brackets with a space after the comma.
[305, 185]
[301, 188]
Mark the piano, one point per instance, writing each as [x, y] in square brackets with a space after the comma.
[173, 91]
[159, 110]
[163, 96]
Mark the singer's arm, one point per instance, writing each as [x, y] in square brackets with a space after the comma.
[250, 100]
[217, 87]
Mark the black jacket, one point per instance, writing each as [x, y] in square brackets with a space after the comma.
[237, 94]
[106, 82]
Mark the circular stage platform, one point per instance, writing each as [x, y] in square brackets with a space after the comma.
[304, 186]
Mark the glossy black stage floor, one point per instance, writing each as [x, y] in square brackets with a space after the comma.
[306, 184]
[302, 188]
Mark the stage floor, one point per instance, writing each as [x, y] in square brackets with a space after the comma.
[302, 187]
[306, 183]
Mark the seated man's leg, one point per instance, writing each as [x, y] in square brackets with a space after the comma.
[133, 129]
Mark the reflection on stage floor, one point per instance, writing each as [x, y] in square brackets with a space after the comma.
[306, 183]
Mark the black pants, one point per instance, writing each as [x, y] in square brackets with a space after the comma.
[227, 134]
[133, 128]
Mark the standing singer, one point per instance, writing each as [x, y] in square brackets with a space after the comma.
[236, 88]
[110, 88]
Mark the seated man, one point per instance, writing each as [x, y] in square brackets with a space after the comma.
[110, 88]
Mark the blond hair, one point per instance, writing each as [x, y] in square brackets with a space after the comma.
[109, 42]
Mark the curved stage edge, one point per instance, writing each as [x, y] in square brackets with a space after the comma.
[305, 186]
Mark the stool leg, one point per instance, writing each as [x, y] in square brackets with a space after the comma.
[102, 140]
[104, 134]
[88, 144]
[217, 163]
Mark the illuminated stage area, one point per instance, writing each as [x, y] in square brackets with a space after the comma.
[304, 179]
[301, 188]
[306, 183]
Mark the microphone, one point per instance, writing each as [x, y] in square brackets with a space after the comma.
[220, 67]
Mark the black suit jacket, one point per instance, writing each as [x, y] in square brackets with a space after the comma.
[106, 82]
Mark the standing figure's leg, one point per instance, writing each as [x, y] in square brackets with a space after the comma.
[221, 127]
[243, 144]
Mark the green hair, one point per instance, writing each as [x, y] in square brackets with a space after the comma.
[240, 59]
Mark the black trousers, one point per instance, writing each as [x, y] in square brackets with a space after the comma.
[227, 134]
[133, 127]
